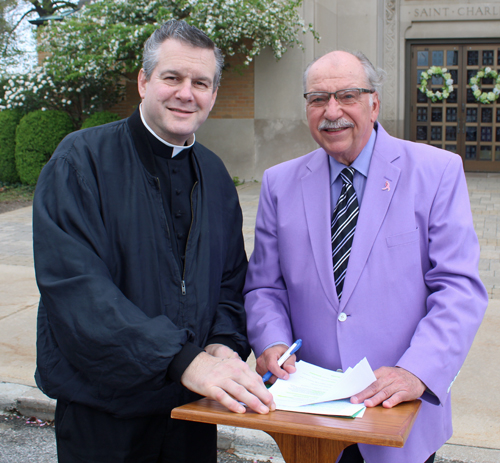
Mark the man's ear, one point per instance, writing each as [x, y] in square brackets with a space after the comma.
[214, 97]
[142, 83]
[375, 107]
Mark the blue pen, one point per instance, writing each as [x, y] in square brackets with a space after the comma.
[291, 350]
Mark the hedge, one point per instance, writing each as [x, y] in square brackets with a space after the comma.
[99, 119]
[37, 137]
[9, 120]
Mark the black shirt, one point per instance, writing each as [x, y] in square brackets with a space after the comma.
[176, 178]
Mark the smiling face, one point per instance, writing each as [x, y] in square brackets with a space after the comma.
[342, 131]
[178, 97]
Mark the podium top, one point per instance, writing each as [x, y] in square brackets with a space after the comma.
[378, 426]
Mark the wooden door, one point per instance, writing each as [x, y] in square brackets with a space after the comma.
[458, 123]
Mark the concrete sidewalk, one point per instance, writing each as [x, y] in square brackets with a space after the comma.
[476, 395]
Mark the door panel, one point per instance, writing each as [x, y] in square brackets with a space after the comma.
[458, 123]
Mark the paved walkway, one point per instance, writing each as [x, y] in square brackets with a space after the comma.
[476, 396]
[484, 193]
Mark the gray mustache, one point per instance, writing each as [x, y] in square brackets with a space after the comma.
[340, 123]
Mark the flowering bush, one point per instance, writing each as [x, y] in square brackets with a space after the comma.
[475, 83]
[42, 90]
[91, 53]
[447, 86]
[110, 34]
[264, 23]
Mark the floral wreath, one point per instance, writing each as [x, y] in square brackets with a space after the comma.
[445, 90]
[475, 83]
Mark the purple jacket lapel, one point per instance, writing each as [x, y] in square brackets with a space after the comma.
[316, 194]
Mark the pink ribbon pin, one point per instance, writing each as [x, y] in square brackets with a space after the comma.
[387, 186]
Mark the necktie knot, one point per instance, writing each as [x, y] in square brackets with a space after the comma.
[347, 175]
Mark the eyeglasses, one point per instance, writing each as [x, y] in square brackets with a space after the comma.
[344, 97]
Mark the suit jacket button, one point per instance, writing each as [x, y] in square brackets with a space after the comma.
[342, 317]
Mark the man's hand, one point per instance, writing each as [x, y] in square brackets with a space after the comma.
[393, 386]
[228, 381]
[268, 361]
[221, 351]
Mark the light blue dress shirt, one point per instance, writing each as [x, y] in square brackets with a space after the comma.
[361, 167]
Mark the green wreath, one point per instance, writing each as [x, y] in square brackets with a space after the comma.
[475, 83]
[447, 86]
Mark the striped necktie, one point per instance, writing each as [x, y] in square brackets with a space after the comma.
[344, 221]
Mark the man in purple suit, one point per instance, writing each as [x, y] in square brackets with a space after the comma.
[399, 286]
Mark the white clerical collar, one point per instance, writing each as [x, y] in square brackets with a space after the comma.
[176, 149]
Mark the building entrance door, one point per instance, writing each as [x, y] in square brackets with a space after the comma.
[458, 123]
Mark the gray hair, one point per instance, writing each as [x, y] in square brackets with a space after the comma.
[182, 31]
[374, 77]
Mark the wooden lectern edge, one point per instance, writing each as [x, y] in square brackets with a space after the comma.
[359, 430]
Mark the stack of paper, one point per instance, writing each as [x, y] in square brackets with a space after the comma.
[312, 389]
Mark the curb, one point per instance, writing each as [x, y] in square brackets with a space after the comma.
[27, 400]
[250, 444]
[452, 453]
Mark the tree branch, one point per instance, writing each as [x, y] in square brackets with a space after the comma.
[20, 20]
[11, 32]
[62, 4]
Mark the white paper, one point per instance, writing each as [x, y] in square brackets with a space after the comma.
[334, 408]
[311, 384]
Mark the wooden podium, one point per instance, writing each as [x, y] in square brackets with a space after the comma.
[305, 438]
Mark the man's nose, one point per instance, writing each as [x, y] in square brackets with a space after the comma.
[184, 91]
[333, 109]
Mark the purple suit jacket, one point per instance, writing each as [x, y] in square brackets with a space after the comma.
[412, 293]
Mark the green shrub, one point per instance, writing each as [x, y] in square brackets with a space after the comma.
[99, 119]
[37, 137]
[9, 119]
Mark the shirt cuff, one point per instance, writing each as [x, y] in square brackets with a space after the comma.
[182, 360]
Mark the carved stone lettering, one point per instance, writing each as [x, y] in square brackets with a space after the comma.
[456, 12]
